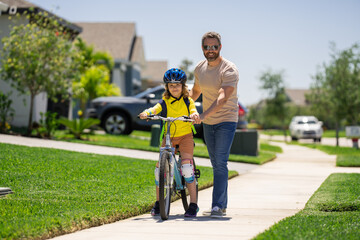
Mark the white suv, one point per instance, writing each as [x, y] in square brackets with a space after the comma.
[306, 127]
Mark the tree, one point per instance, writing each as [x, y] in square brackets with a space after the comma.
[336, 89]
[95, 75]
[94, 83]
[276, 107]
[90, 58]
[39, 57]
[185, 65]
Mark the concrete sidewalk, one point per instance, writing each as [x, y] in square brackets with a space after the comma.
[258, 198]
[343, 142]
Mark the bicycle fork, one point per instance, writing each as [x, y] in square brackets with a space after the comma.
[172, 164]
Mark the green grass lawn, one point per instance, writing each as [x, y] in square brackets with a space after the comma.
[332, 134]
[141, 140]
[274, 132]
[333, 212]
[58, 191]
[346, 156]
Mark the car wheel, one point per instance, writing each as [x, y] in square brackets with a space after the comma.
[117, 123]
[293, 138]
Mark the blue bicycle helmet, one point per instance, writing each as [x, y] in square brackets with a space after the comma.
[175, 75]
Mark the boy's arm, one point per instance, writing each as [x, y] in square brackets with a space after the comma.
[151, 111]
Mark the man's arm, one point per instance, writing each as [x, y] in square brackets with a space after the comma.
[224, 94]
[194, 94]
[195, 91]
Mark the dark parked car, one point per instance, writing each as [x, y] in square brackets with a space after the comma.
[118, 115]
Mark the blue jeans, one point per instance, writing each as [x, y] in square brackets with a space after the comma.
[219, 138]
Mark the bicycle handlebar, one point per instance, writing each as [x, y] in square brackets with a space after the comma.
[170, 119]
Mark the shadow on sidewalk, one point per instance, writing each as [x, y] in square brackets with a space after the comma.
[180, 217]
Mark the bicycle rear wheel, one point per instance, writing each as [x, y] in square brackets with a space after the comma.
[185, 195]
[165, 186]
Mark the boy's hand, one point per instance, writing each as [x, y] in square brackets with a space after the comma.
[196, 118]
[143, 115]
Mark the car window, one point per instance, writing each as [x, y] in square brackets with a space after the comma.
[308, 122]
[158, 93]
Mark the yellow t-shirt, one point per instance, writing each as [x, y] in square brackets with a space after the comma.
[176, 108]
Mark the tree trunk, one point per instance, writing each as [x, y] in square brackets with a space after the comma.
[337, 132]
[284, 130]
[32, 97]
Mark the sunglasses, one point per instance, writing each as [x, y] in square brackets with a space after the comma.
[213, 47]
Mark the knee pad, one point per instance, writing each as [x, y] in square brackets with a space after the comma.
[157, 172]
[187, 170]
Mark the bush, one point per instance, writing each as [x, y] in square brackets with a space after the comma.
[48, 125]
[78, 126]
[6, 112]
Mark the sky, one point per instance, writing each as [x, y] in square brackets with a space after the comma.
[257, 35]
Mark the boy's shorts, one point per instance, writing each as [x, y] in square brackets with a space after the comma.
[186, 145]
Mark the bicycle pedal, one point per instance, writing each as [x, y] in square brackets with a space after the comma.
[197, 173]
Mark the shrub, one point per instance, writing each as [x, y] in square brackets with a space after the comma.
[6, 112]
[77, 126]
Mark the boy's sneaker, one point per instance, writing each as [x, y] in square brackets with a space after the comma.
[192, 210]
[155, 211]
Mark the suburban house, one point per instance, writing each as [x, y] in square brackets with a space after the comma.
[153, 73]
[297, 96]
[121, 42]
[131, 72]
[41, 103]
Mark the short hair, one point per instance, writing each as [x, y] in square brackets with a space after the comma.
[211, 35]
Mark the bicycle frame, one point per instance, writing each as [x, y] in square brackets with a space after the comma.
[174, 163]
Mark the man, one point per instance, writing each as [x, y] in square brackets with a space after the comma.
[216, 78]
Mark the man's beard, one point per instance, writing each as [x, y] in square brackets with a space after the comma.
[214, 56]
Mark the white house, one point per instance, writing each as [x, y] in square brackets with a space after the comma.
[42, 104]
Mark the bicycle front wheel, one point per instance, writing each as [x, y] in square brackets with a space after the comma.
[165, 186]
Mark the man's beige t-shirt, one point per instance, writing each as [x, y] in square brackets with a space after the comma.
[210, 80]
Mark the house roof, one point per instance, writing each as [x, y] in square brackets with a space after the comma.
[117, 38]
[154, 71]
[138, 54]
[297, 96]
[18, 3]
[22, 5]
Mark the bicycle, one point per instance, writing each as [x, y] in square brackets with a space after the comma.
[171, 182]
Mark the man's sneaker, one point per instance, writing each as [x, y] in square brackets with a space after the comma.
[155, 211]
[208, 212]
[192, 210]
[216, 212]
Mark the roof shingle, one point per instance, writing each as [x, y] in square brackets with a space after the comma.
[297, 96]
[115, 38]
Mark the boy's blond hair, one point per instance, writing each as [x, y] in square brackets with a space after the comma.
[185, 91]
